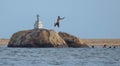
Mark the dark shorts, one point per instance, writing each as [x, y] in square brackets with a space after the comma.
[56, 24]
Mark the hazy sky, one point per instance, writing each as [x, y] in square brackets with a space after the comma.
[84, 18]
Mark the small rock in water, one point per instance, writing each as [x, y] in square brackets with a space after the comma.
[113, 46]
[92, 46]
[110, 47]
[104, 46]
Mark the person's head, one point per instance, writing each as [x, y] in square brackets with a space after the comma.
[37, 15]
[58, 16]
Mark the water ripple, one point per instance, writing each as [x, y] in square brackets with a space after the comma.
[59, 56]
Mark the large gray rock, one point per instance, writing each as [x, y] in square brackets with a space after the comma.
[72, 41]
[36, 38]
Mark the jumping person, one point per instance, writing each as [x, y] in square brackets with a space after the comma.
[58, 21]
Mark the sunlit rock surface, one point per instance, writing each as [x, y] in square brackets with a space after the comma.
[44, 38]
[36, 38]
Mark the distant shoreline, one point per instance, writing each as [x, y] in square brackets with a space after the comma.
[102, 42]
[4, 42]
[89, 42]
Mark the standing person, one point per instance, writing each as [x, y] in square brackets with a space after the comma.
[58, 21]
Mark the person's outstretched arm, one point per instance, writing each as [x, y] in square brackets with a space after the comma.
[62, 18]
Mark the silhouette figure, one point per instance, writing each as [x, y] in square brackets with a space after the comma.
[58, 21]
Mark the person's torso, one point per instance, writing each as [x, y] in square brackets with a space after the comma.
[58, 20]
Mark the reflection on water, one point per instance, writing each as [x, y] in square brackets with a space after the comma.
[97, 56]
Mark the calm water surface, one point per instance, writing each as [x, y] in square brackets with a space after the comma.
[97, 56]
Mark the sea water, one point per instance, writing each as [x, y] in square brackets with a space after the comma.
[96, 56]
